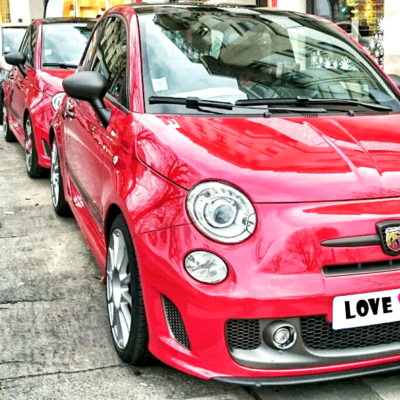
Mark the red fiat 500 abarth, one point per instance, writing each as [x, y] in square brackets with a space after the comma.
[236, 174]
[50, 51]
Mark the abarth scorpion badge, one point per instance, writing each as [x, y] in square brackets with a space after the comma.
[389, 233]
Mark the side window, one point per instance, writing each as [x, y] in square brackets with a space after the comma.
[26, 40]
[28, 45]
[111, 58]
[90, 50]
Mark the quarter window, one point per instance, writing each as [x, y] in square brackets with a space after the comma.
[111, 58]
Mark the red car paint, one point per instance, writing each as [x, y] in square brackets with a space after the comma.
[32, 95]
[341, 180]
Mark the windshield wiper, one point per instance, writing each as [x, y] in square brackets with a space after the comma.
[190, 102]
[308, 100]
[199, 104]
[60, 65]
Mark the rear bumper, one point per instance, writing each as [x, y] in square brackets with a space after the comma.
[274, 275]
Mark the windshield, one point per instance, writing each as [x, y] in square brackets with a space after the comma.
[64, 43]
[227, 54]
[12, 38]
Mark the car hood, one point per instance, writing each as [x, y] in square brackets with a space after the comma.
[50, 81]
[278, 159]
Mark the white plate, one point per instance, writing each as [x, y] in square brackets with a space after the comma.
[366, 309]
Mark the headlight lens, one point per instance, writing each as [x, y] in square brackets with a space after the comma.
[205, 267]
[57, 100]
[221, 212]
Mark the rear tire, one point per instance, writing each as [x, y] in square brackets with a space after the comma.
[60, 205]
[1, 107]
[8, 135]
[124, 297]
[33, 168]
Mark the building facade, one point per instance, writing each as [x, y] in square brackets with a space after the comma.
[20, 11]
[374, 23]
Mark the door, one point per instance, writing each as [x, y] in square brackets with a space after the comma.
[21, 84]
[90, 146]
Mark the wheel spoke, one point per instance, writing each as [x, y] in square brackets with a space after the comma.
[120, 249]
[125, 328]
[126, 296]
[126, 279]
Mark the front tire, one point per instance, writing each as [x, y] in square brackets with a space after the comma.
[124, 297]
[33, 168]
[60, 205]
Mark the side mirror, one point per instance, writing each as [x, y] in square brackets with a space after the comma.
[92, 87]
[395, 79]
[18, 59]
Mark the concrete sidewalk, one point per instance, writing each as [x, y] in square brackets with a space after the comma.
[55, 341]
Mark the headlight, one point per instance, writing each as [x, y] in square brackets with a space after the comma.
[206, 267]
[57, 100]
[221, 212]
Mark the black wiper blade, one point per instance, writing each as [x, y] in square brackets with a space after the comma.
[60, 65]
[309, 100]
[343, 102]
[199, 104]
[190, 102]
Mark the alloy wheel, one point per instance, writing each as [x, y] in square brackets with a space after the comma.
[119, 300]
[55, 175]
[28, 145]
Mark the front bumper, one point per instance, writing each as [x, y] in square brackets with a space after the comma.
[274, 275]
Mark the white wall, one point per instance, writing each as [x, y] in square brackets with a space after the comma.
[292, 5]
[36, 8]
[391, 36]
[25, 10]
[20, 11]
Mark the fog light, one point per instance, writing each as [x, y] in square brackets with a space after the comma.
[280, 335]
[205, 267]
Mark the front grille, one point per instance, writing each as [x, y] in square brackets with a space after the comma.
[361, 268]
[318, 334]
[175, 322]
[243, 334]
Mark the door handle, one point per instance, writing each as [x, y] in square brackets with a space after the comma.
[69, 110]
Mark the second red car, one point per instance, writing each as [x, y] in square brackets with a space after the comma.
[50, 51]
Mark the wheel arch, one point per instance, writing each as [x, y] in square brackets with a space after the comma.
[113, 211]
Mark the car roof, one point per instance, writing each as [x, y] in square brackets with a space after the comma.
[142, 8]
[64, 20]
[16, 25]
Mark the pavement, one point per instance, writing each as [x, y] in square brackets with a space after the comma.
[54, 337]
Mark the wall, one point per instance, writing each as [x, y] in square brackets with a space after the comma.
[36, 8]
[20, 11]
[293, 5]
[391, 36]
[25, 10]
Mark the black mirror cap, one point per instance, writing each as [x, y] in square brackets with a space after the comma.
[396, 79]
[15, 58]
[92, 87]
[86, 85]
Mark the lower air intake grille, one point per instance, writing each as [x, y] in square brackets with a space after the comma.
[318, 334]
[175, 322]
[243, 334]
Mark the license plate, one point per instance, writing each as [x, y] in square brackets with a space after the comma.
[366, 309]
